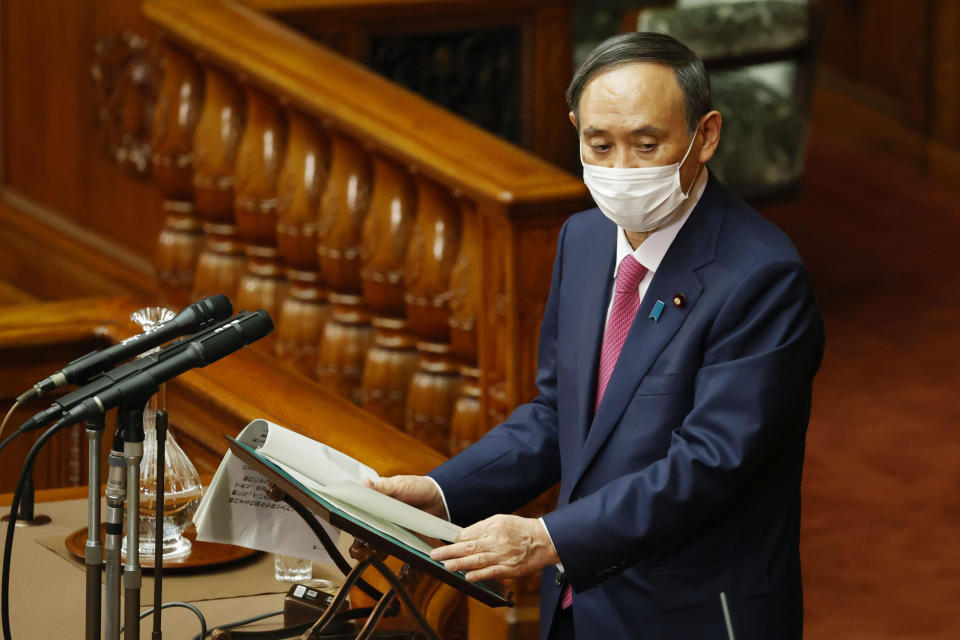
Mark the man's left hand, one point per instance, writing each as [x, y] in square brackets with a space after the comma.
[501, 546]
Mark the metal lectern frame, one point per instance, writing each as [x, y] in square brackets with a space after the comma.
[371, 548]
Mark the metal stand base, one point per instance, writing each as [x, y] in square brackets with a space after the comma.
[38, 521]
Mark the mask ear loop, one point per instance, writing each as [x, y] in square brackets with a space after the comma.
[680, 166]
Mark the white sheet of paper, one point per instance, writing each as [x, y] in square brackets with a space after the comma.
[369, 519]
[236, 510]
[391, 509]
[313, 459]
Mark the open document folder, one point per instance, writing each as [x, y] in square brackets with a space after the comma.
[236, 509]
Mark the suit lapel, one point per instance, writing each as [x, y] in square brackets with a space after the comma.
[601, 254]
[693, 247]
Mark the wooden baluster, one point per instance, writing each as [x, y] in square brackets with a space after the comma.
[430, 258]
[259, 161]
[174, 120]
[466, 425]
[349, 334]
[216, 142]
[305, 309]
[392, 360]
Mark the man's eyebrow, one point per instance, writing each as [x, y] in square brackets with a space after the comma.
[648, 130]
[594, 131]
[645, 130]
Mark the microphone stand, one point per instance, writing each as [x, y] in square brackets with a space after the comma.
[93, 552]
[116, 492]
[133, 452]
[161, 428]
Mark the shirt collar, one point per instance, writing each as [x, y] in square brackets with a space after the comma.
[651, 251]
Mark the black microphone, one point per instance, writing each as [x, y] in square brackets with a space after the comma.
[198, 351]
[108, 378]
[192, 319]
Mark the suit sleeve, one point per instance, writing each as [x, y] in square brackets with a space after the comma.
[751, 396]
[519, 459]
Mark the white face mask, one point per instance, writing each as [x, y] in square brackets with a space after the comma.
[638, 199]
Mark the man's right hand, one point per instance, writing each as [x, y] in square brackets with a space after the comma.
[417, 491]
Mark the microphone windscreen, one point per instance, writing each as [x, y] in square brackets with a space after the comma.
[220, 307]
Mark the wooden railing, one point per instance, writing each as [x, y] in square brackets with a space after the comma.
[506, 63]
[404, 252]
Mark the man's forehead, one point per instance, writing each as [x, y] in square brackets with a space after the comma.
[636, 94]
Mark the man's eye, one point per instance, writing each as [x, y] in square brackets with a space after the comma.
[646, 146]
[601, 148]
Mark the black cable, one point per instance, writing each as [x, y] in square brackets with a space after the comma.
[379, 611]
[10, 438]
[299, 629]
[181, 605]
[341, 617]
[12, 523]
[398, 588]
[329, 546]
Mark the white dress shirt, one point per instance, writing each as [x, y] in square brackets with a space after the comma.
[651, 251]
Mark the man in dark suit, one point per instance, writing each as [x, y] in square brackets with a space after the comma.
[676, 358]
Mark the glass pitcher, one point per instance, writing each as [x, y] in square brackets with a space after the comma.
[181, 484]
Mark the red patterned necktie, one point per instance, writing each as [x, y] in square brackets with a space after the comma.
[626, 302]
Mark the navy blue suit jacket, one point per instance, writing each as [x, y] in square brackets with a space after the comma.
[685, 482]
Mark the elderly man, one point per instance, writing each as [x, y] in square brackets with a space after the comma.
[676, 358]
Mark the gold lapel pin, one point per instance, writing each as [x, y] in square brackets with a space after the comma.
[679, 301]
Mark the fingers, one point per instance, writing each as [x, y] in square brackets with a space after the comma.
[455, 550]
[394, 486]
[418, 491]
[383, 485]
[471, 554]
[473, 562]
[495, 572]
[502, 546]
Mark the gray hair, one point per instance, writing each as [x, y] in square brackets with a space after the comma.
[647, 46]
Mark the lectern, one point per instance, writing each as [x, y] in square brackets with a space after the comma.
[371, 549]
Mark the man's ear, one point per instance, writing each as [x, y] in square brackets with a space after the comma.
[712, 124]
[573, 121]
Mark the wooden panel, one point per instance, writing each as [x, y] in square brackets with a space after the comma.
[946, 73]
[550, 72]
[11, 294]
[882, 48]
[889, 80]
[21, 365]
[42, 258]
[52, 153]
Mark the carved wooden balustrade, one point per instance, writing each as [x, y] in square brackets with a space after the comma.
[404, 252]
